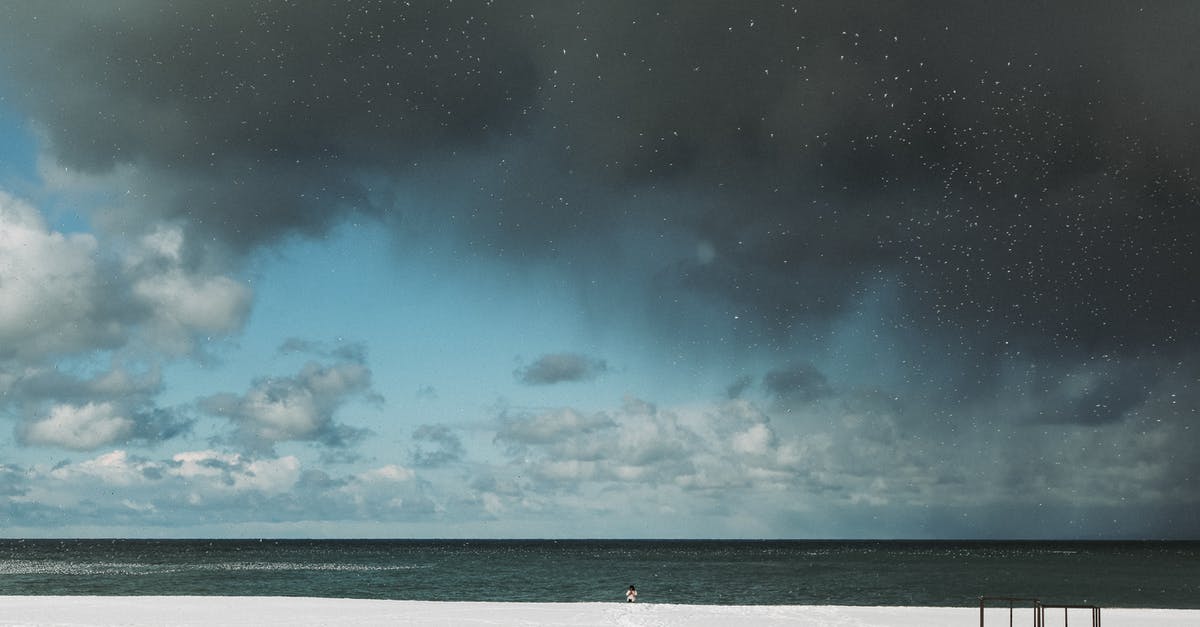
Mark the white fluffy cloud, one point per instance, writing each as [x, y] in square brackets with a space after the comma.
[65, 410]
[213, 471]
[295, 408]
[191, 302]
[60, 296]
[74, 297]
[384, 488]
[49, 288]
[55, 299]
[182, 303]
[79, 427]
[115, 468]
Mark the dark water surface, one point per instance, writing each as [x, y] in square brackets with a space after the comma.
[934, 573]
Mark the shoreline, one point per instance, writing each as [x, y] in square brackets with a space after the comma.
[189, 611]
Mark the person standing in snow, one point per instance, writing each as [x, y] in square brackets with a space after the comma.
[631, 594]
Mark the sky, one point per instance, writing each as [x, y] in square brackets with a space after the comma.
[547, 269]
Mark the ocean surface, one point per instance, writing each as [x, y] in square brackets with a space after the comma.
[926, 573]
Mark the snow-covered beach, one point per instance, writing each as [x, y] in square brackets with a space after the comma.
[147, 611]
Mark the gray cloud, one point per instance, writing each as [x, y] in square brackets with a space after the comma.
[427, 393]
[561, 368]
[343, 351]
[435, 445]
[738, 387]
[299, 345]
[800, 383]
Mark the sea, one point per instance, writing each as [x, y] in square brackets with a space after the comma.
[722, 572]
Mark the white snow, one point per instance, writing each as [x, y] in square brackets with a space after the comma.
[72, 611]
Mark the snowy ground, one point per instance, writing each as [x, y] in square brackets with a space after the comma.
[302, 612]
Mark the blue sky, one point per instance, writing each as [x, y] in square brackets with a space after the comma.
[478, 271]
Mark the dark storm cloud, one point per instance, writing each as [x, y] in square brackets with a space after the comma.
[264, 117]
[561, 368]
[1022, 177]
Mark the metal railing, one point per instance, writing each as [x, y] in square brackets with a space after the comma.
[1012, 601]
[1039, 610]
[1041, 613]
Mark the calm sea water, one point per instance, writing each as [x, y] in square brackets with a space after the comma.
[1109, 574]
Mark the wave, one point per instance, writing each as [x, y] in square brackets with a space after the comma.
[37, 567]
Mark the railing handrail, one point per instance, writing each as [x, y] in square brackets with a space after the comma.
[1039, 609]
